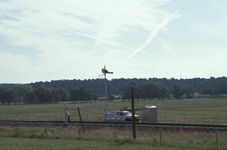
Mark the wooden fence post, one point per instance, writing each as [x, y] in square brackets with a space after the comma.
[80, 119]
[46, 131]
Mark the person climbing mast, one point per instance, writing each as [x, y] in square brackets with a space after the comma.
[68, 114]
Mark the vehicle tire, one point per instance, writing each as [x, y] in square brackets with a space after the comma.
[126, 119]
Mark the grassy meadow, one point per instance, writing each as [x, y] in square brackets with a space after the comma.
[199, 110]
[108, 138]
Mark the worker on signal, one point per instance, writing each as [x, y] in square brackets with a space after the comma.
[68, 114]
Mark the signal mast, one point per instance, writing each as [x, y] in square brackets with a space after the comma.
[105, 71]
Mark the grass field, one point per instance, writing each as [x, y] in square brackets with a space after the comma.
[70, 138]
[56, 144]
[203, 110]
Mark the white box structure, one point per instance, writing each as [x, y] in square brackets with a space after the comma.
[149, 114]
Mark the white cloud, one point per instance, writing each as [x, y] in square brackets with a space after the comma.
[74, 39]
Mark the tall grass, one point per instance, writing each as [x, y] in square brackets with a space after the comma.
[150, 138]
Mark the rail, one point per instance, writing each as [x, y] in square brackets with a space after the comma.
[120, 123]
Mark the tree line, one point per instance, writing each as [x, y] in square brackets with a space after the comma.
[91, 89]
[150, 90]
[212, 86]
[29, 95]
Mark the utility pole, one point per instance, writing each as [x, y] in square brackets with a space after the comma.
[133, 115]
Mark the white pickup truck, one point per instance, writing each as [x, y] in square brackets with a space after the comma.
[125, 116]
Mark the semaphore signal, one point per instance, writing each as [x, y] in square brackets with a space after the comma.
[105, 71]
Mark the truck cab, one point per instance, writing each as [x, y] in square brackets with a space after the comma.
[125, 116]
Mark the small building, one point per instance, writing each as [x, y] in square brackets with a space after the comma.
[149, 114]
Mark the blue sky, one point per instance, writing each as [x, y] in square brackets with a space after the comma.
[56, 39]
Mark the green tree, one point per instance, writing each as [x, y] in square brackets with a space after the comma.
[207, 90]
[151, 90]
[7, 94]
[56, 95]
[95, 97]
[110, 96]
[81, 93]
[2, 94]
[177, 90]
[30, 97]
[21, 90]
[217, 89]
[88, 94]
[126, 90]
[142, 91]
[43, 94]
[155, 90]
[73, 94]
[189, 91]
[63, 95]
[164, 91]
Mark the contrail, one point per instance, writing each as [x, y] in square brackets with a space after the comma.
[8, 29]
[79, 33]
[152, 35]
[5, 23]
[95, 38]
[110, 43]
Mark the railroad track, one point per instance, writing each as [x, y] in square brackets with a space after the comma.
[119, 125]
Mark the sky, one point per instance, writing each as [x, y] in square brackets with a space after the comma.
[64, 40]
